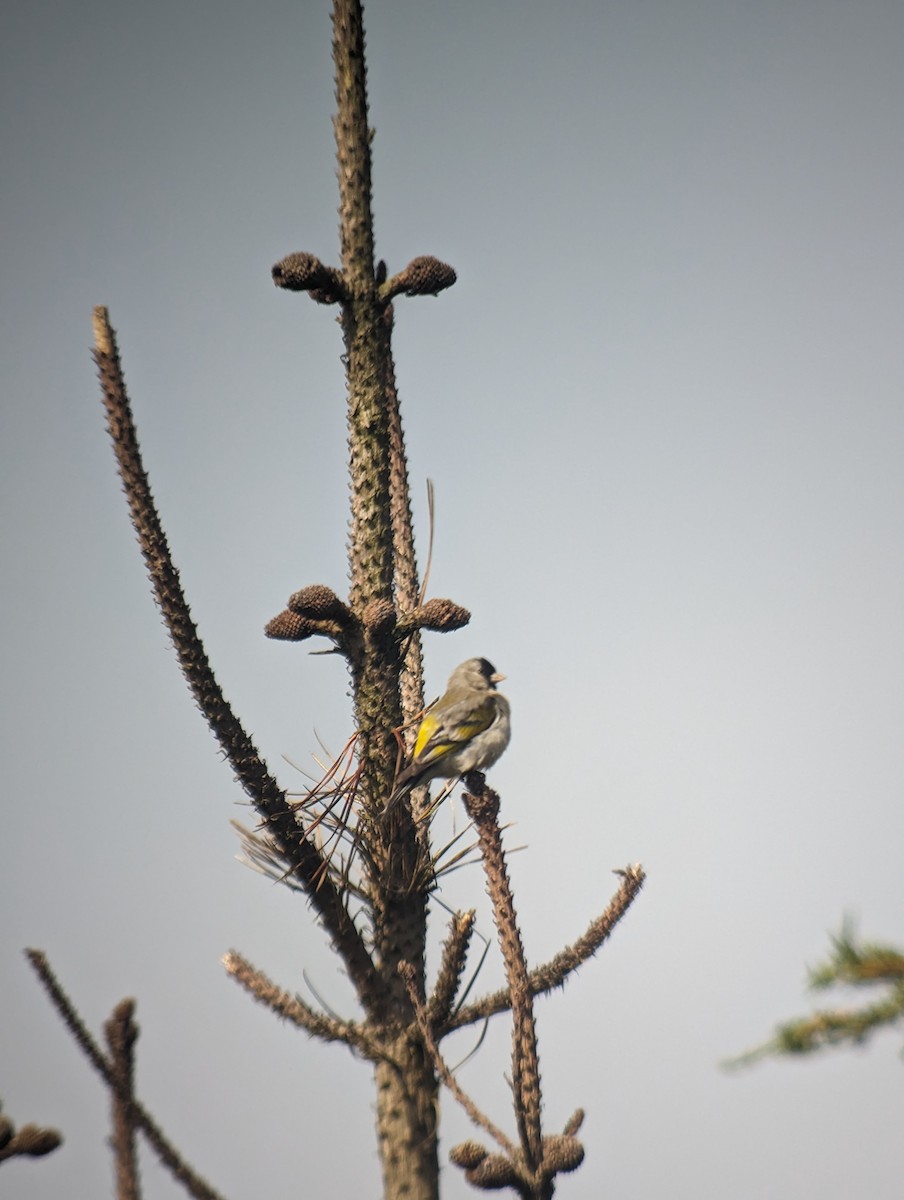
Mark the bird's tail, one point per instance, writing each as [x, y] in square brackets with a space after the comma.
[398, 795]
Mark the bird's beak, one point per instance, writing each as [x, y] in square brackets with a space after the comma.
[496, 677]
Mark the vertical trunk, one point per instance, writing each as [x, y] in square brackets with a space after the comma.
[407, 1088]
[407, 1119]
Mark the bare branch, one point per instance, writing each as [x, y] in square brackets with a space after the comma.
[121, 1033]
[293, 1008]
[574, 1123]
[479, 1118]
[555, 973]
[266, 795]
[193, 1183]
[482, 806]
[448, 980]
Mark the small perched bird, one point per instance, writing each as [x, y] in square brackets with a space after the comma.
[467, 729]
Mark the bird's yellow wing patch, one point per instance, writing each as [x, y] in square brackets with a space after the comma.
[429, 727]
[435, 738]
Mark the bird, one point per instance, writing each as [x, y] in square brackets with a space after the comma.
[467, 729]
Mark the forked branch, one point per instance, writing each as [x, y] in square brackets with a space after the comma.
[479, 1118]
[556, 972]
[138, 1116]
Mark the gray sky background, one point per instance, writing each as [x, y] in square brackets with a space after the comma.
[662, 409]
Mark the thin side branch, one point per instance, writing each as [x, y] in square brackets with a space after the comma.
[265, 793]
[121, 1033]
[555, 973]
[292, 1008]
[442, 1069]
[452, 965]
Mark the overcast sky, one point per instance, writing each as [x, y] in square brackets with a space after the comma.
[662, 410]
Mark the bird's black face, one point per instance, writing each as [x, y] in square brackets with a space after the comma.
[478, 673]
[489, 672]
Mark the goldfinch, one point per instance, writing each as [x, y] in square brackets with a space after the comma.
[467, 729]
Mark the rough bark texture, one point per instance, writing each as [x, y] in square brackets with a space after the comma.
[407, 1117]
[407, 1087]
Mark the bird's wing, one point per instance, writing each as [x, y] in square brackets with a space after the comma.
[457, 725]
